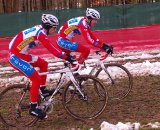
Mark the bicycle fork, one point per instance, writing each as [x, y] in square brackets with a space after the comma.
[77, 86]
[106, 71]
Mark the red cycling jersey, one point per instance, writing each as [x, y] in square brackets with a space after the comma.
[79, 26]
[25, 63]
[29, 38]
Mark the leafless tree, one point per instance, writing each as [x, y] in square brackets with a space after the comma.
[8, 6]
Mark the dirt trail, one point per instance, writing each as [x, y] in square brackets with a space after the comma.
[142, 104]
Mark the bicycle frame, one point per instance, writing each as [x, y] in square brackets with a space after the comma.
[66, 75]
[100, 63]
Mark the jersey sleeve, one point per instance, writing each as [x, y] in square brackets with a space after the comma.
[46, 43]
[91, 39]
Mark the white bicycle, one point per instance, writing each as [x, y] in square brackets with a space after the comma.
[115, 76]
[83, 97]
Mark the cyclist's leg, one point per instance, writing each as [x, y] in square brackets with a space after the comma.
[34, 92]
[66, 45]
[84, 53]
[74, 47]
[26, 69]
[43, 66]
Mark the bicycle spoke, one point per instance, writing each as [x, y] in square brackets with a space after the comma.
[16, 114]
[89, 107]
[118, 80]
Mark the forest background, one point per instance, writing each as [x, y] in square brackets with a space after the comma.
[9, 6]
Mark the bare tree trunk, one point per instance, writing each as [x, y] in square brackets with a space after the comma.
[32, 5]
[15, 5]
[20, 5]
[70, 6]
[59, 6]
[38, 4]
[8, 5]
[106, 2]
[43, 5]
[64, 4]
[82, 4]
[2, 6]
[55, 4]
[88, 3]
[25, 5]
[29, 6]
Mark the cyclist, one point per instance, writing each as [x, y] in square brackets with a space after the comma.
[81, 25]
[21, 60]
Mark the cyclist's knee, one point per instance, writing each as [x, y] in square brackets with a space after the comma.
[83, 50]
[85, 53]
[42, 64]
[81, 60]
[35, 79]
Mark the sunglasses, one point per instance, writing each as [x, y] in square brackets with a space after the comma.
[54, 27]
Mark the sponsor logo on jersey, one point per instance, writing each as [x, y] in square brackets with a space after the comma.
[29, 30]
[70, 29]
[25, 42]
[22, 65]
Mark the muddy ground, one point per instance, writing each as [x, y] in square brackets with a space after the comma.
[141, 105]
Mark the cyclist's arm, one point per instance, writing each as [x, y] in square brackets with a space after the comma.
[44, 40]
[90, 38]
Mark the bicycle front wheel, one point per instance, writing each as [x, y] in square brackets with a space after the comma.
[13, 112]
[118, 80]
[94, 102]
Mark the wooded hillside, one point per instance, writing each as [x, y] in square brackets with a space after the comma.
[8, 6]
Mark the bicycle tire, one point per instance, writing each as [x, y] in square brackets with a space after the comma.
[122, 78]
[9, 113]
[96, 101]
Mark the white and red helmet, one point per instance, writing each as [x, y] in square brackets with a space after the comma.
[49, 20]
[92, 13]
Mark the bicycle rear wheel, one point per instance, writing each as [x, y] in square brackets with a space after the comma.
[118, 80]
[12, 112]
[95, 102]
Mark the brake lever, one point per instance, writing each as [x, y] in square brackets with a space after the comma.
[66, 64]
